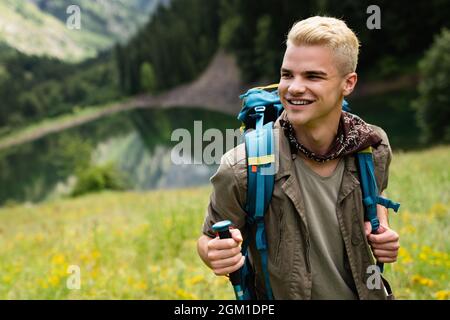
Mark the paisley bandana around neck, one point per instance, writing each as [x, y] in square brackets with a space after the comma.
[353, 135]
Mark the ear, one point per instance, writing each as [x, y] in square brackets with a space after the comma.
[349, 83]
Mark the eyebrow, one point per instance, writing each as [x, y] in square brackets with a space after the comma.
[308, 73]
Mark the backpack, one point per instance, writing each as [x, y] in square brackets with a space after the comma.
[261, 106]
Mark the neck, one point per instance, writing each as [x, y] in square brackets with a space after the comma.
[318, 138]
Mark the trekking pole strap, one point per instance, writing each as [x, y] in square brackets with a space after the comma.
[388, 204]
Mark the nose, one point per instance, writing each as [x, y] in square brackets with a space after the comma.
[296, 87]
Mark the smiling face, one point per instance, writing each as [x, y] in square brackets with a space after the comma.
[311, 87]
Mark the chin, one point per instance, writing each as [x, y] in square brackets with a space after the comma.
[297, 118]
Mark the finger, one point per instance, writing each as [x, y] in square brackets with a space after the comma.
[387, 236]
[381, 229]
[220, 244]
[214, 255]
[228, 270]
[236, 235]
[387, 259]
[378, 253]
[228, 262]
[394, 245]
[367, 227]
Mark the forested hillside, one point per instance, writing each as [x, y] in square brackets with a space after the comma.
[176, 43]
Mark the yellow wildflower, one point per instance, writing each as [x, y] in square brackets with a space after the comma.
[442, 295]
[404, 255]
[84, 258]
[95, 254]
[58, 259]
[54, 280]
[196, 279]
[43, 284]
[440, 255]
[406, 217]
[221, 280]
[141, 285]
[408, 229]
[438, 210]
[427, 249]
[185, 295]
[7, 279]
[94, 273]
[418, 279]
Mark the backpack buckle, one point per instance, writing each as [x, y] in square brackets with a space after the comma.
[260, 109]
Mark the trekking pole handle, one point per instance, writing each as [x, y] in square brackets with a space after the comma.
[222, 229]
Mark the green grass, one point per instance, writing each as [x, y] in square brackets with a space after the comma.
[133, 245]
[127, 245]
[420, 180]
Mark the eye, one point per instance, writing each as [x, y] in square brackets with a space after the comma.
[286, 75]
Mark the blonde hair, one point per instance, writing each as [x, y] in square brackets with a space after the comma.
[330, 32]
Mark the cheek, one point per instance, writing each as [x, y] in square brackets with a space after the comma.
[282, 86]
[282, 89]
[325, 92]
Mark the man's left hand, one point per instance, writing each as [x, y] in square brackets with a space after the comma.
[385, 243]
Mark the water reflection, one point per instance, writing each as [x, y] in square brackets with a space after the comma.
[137, 142]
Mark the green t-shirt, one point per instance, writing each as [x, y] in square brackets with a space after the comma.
[330, 279]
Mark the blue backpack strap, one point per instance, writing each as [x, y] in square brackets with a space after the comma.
[261, 174]
[370, 191]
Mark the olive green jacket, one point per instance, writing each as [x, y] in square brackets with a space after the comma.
[286, 224]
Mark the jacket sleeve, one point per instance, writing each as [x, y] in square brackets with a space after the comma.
[227, 200]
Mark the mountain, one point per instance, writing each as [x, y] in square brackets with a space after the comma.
[110, 18]
[39, 26]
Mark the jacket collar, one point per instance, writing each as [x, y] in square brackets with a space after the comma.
[285, 157]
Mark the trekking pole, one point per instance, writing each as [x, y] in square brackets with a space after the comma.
[222, 229]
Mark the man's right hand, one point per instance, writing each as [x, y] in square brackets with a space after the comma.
[224, 255]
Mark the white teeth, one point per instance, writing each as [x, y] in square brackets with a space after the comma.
[300, 102]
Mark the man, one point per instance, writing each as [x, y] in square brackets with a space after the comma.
[319, 246]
